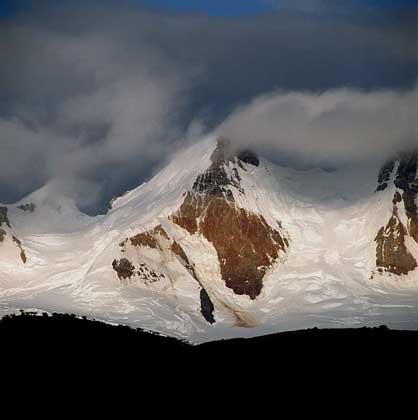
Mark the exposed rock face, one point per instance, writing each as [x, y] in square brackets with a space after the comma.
[148, 275]
[206, 306]
[22, 251]
[3, 216]
[392, 255]
[407, 181]
[4, 220]
[157, 238]
[215, 181]
[124, 268]
[246, 245]
[149, 238]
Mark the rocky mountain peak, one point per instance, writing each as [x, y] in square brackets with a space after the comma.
[392, 253]
[222, 174]
[245, 243]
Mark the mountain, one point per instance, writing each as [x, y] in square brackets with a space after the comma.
[223, 243]
[397, 240]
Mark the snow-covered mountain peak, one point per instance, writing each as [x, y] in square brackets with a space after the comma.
[48, 210]
[223, 243]
[177, 176]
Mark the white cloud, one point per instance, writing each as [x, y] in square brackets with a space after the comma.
[334, 127]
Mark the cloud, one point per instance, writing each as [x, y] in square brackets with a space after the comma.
[341, 6]
[99, 95]
[333, 128]
[85, 106]
[16, 140]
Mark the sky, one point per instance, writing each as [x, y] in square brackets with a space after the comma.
[214, 7]
[236, 8]
[99, 94]
[245, 7]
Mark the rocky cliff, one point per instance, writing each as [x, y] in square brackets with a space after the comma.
[392, 253]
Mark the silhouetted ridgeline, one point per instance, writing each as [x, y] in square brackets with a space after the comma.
[59, 332]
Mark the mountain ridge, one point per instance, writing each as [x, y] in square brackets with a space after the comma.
[222, 243]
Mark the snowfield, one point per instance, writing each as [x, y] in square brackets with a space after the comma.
[324, 280]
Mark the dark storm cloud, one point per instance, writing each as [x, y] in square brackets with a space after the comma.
[100, 93]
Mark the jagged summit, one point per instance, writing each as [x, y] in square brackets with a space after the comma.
[223, 170]
[245, 243]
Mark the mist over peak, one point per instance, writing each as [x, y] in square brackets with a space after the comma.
[100, 95]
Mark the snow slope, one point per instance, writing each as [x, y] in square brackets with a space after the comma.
[324, 278]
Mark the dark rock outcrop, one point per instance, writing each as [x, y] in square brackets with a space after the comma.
[124, 268]
[149, 238]
[148, 275]
[215, 181]
[246, 245]
[407, 181]
[157, 238]
[392, 255]
[22, 251]
[4, 220]
[206, 306]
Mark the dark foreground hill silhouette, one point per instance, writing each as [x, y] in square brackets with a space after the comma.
[69, 346]
[62, 332]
